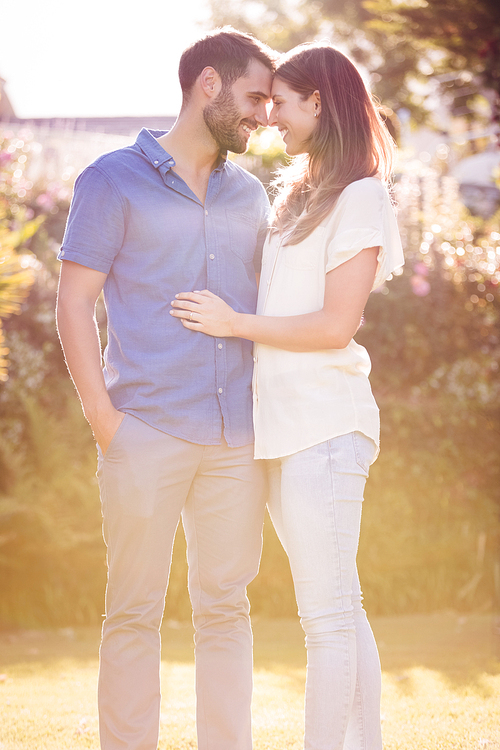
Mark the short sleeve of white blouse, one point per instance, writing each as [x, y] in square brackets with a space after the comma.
[363, 217]
[304, 398]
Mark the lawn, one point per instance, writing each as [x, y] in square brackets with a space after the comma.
[441, 685]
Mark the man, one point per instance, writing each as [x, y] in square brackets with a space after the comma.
[171, 413]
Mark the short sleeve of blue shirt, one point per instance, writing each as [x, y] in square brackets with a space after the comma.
[96, 224]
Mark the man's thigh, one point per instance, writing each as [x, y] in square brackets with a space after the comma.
[144, 479]
[223, 520]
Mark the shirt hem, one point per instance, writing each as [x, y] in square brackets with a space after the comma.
[175, 434]
[269, 455]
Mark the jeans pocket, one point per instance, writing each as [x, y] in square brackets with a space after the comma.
[364, 449]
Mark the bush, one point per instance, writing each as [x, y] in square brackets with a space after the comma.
[431, 517]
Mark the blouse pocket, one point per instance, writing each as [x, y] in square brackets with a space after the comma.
[304, 256]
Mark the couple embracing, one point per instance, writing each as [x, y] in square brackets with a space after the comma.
[176, 235]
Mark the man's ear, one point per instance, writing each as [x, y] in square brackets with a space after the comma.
[210, 82]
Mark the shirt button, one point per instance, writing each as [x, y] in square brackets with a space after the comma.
[156, 161]
[220, 390]
[219, 346]
[206, 213]
[255, 359]
[62, 252]
[212, 256]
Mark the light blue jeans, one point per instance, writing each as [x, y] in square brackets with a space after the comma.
[315, 505]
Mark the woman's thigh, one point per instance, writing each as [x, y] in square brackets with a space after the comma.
[316, 499]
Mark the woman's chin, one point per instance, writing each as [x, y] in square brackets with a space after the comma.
[291, 150]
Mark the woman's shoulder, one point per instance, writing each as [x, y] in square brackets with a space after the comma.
[362, 197]
[368, 187]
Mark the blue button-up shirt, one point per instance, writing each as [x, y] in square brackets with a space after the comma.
[134, 219]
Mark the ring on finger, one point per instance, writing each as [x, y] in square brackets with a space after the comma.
[191, 315]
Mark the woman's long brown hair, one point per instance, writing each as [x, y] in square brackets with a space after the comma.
[349, 143]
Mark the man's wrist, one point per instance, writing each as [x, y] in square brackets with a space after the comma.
[99, 409]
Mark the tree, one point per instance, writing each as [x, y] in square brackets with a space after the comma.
[17, 226]
[409, 47]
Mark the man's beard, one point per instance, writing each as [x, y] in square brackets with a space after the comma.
[223, 120]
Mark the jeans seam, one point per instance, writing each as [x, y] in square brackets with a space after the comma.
[348, 666]
[199, 596]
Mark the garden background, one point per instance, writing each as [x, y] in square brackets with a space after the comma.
[430, 534]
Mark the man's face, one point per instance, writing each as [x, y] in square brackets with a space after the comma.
[239, 109]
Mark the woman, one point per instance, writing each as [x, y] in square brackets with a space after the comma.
[333, 239]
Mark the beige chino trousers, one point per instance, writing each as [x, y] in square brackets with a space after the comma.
[147, 480]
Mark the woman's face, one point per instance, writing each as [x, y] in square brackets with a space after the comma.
[294, 117]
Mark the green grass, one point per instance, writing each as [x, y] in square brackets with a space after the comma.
[441, 685]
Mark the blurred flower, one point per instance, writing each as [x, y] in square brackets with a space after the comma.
[45, 201]
[421, 269]
[420, 286]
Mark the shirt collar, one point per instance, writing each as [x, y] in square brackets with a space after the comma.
[147, 140]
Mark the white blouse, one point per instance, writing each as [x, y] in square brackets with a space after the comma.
[305, 398]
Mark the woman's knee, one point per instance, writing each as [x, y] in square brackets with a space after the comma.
[326, 627]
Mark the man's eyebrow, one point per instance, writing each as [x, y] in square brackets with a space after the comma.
[259, 93]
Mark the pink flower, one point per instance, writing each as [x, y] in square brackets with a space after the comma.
[421, 269]
[45, 201]
[420, 286]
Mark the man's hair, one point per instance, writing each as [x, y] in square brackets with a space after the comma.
[226, 50]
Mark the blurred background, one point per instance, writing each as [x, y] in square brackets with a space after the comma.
[80, 79]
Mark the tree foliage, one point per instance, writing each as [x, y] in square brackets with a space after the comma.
[17, 226]
[410, 47]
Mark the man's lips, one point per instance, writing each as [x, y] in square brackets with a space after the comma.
[249, 127]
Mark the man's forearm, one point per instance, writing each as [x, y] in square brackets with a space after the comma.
[81, 345]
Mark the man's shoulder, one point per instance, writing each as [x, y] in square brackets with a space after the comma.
[123, 156]
[112, 168]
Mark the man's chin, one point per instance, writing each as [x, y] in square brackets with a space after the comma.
[235, 147]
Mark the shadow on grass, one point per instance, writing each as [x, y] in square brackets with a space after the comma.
[461, 648]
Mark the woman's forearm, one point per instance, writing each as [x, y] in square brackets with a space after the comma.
[332, 327]
[297, 333]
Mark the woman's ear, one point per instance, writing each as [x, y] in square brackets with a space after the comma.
[317, 103]
[210, 82]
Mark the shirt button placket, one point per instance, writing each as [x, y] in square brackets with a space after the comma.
[211, 271]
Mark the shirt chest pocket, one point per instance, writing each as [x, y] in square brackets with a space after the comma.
[307, 254]
[243, 230]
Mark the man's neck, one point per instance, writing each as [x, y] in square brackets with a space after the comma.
[193, 149]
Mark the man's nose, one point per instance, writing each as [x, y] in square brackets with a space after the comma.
[261, 115]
